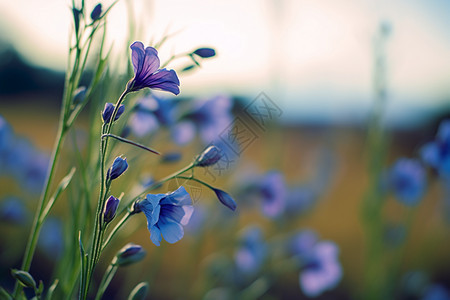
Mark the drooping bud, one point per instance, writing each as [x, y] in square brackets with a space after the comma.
[139, 292]
[225, 199]
[96, 12]
[205, 52]
[129, 254]
[209, 157]
[118, 167]
[108, 111]
[110, 209]
[24, 278]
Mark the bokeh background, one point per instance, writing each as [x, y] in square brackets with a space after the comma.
[321, 62]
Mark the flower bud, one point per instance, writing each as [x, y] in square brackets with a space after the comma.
[79, 94]
[118, 167]
[96, 12]
[225, 199]
[129, 254]
[209, 157]
[139, 292]
[205, 52]
[108, 111]
[110, 209]
[24, 278]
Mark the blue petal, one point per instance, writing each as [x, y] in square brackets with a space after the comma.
[150, 63]
[171, 231]
[178, 197]
[155, 235]
[137, 56]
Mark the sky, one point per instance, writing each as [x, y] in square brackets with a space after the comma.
[314, 58]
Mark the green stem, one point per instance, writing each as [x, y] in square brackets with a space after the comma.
[37, 224]
[114, 231]
[107, 277]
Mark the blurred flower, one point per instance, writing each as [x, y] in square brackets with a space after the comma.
[300, 200]
[79, 94]
[108, 111]
[150, 113]
[437, 153]
[252, 251]
[129, 254]
[208, 157]
[96, 12]
[198, 219]
[147, 73]
[225, 199]
[166, 213]
[13, 210]
[320, 268]
[272, 189]
[119, 166]
[406, 179]
[51, 239]
[205, 52]
[436, 292]
[211, 117]
[110, 209]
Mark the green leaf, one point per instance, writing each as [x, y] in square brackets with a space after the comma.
[4, 294]
[52, 289]
[61, 187]
[40, 288]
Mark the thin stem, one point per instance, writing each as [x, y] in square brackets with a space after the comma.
[107, 277]
[124, 140]
[116, 228]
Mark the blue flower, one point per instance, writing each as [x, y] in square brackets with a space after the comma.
[147, 73]
[437, 153]
[108, 111]
[406, 179]
[150, 113]
[166, 213]
[119, 166]
[129, 254]
[205, 52]
[252, 251]
[210, 117]
[320, 267]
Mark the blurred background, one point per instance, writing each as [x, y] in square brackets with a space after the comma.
[321, 65]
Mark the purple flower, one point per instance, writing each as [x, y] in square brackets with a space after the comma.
[252, 251]
[406, 179]
[211, 117]
[437, 153]
[147, 73]
[320, 268]
[110, 209]
[272, 189]
[225, 199]
[108, 111]
[166, 213]
[119, 166]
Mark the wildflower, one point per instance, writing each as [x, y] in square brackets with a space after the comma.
[147, 73]
[110, 209]
[320, 268]
[108, 111]
[406, 179]
[272, 189]
[129, 254]
[437, 153]
[118, 167]
[205, 52]
[210, 117]
[225, 199]
[96, 12]
[166, 213]
[208, 157]
[252, 251]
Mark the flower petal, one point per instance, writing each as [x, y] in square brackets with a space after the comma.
[165, 80]
[171, 231]
[178, 197]
[155, 235]
[137, 56]
[151, 62]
